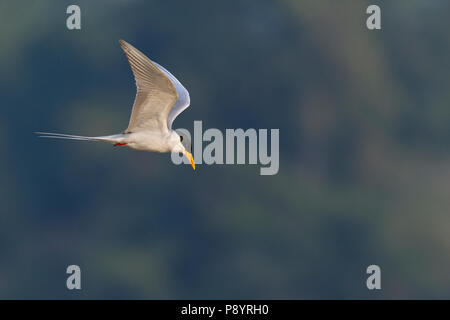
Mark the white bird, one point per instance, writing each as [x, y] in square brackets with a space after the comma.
[160, 98]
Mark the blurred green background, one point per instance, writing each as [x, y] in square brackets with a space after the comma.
[364, 119]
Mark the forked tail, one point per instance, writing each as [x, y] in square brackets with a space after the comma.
[116, 138]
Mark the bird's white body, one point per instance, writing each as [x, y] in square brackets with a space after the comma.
[160, 98]
[155, 141]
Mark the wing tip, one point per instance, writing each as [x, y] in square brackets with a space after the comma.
[125, 45]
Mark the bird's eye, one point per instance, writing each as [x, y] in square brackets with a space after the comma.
[181, 138]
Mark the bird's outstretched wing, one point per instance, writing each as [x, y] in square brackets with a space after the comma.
[156, 93]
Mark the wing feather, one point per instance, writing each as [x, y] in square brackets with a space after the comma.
[183, 97]
[156, 94]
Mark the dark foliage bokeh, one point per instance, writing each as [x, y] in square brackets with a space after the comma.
[364, 119]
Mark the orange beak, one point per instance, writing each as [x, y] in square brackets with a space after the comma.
[190, 158]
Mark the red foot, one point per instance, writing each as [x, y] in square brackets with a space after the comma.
[120, 144]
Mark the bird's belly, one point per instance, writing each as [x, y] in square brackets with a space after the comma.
[148, 142]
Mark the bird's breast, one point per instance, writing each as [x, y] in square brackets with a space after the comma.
[149, 141]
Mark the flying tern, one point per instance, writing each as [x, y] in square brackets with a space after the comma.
[160, 98]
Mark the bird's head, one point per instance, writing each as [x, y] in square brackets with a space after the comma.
[182, 145]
